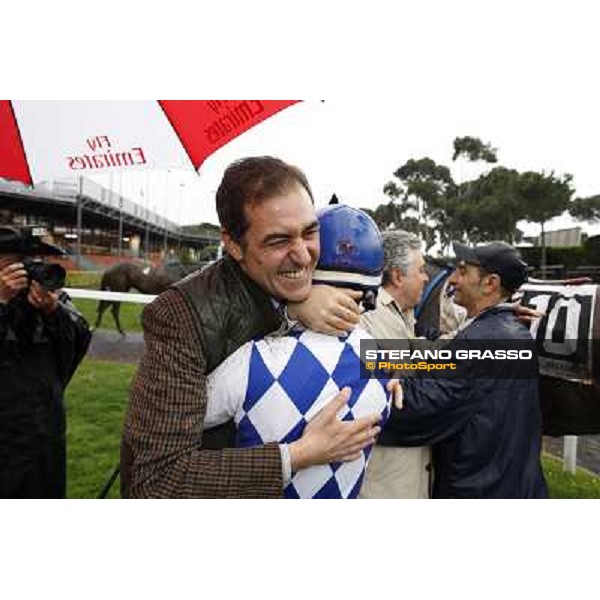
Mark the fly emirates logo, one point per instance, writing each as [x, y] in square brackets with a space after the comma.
[100, 154]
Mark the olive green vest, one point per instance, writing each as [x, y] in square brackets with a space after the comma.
[229, 309]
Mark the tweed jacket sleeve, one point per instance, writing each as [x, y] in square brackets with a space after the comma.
[161, 452]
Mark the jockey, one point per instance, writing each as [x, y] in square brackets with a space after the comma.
[273, 386]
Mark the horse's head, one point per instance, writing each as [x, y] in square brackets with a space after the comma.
[436, 313]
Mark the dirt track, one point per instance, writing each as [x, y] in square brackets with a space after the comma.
[110, 345]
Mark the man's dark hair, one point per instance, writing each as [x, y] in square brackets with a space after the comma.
[249, 181]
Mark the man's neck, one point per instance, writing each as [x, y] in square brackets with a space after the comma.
[484, 304]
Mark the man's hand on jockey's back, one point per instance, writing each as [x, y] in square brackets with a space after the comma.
[326, 439]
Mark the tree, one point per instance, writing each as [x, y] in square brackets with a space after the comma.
[474, 149]
[483, 207]
[543, 196]
[472, 211]
[417, 198]
[489, 208]
[205, 229]
[425, 199]
[586, 209]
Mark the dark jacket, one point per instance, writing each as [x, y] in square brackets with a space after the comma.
[188, 331]
[38, 356]
[486, 433]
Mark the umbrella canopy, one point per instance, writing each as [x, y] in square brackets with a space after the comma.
[43, 140]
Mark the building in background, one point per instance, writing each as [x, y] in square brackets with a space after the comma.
[561, 238]
[84, 217]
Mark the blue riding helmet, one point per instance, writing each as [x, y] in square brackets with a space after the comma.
[351, 251]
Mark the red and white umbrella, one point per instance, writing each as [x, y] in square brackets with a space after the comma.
[44, 140]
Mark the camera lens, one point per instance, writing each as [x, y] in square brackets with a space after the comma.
[51, 277]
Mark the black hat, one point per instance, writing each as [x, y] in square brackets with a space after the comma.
[26, 241]
[499, 258]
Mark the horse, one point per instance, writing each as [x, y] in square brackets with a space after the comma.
[567, 339]
[123, 277]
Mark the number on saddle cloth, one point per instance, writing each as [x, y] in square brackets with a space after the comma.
[567, 341]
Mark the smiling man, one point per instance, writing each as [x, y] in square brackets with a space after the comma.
[279, 252]
[271, 234]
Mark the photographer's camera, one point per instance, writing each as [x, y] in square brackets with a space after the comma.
[50, 276]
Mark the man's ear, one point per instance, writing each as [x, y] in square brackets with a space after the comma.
[396, 277]
[232, 247]
[495, 284]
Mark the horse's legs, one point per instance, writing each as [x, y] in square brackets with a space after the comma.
[115, 308]
[102, 306]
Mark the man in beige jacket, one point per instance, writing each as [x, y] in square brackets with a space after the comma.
[395, 472]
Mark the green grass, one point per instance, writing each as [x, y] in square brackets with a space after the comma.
[84, 279]
[96, 400]
[564, 485]
[130, 314]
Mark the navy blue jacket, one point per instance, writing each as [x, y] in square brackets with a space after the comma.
[485, 433]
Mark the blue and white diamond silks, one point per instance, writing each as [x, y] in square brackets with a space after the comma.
[274, 386]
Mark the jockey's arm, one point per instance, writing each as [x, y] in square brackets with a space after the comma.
[330, 310]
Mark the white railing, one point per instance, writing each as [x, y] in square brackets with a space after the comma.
[110, 296]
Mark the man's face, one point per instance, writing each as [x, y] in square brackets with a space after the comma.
[280, 249]
[410, 287]
[469, 286]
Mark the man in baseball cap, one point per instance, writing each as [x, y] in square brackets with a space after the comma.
[495, 258]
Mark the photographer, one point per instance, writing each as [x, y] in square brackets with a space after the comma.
[42, 340]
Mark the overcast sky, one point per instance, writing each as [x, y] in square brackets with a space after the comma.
[397, 84]
[352, 148]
